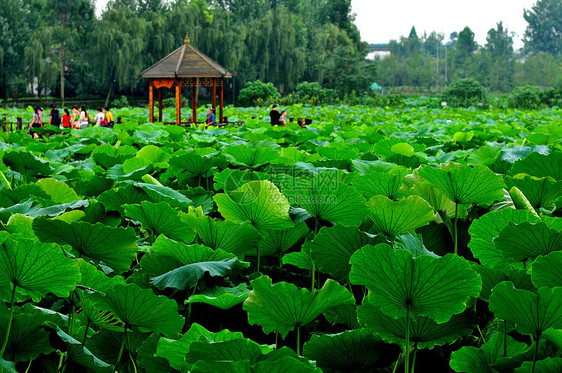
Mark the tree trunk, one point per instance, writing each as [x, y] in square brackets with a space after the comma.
[109, 93]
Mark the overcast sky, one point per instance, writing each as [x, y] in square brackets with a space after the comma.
[380, 21]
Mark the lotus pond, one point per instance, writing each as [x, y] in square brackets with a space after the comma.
[374, 240]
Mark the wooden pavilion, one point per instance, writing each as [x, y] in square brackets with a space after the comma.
[185, 67]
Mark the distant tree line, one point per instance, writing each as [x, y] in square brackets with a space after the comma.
[428, 62]
[61, 47]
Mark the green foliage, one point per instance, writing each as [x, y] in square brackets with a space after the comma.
[531, 97]
[258, 93]
[465, 93]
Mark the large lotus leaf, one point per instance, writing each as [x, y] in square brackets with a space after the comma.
[282, 365]
[94, 315]
[222, 297]
[547, 270]
[523, 241]
[160, 218]
[365, 167]
[345, 314]
[464, 184]
[386, 184]
[274, 242]
[35, 268]
[401, 284]
[424, 332]
[325, 198]
[532, 313]
[515, 153]
[94, 213]
[21, 193]
[439, 201]
[548, 365]
[338, 154]
[159, 193]
[194, 164]
[493, 276]
[484, 230]
[482, 360]
[77, 352]
[413, 244]
[8, 366]
[260, 202]
[187, 276]
[26, 164]
[27, 338]
[117, 172]
[229, 179]
[541, 192]
[18, 223]
[58, 191]
[282, 307]
[141, 308]
[106, 345]
[167, 254]
[132, 165]
[175, 351]
[146, 358]
[153, 154]
[540, 165]
[243, 155]
[351, 351]
[114, 199]
[92, 278]
[394, 218]
[236, 238]
[108, 156]
[116, 247]
[332, 247]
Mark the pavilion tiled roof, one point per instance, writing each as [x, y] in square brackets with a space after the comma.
[186, 62]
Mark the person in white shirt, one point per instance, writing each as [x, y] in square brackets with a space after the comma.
[99, 119]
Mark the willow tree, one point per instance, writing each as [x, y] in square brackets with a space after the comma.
[39, 57]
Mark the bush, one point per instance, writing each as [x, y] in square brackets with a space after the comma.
[258, 93]
[531, 97]
[120, 102]
[465, 93]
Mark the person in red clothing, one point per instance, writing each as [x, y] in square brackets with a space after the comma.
[66, 119]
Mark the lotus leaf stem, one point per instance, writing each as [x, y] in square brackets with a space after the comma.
[535, 355]
[29, 365]
[299, 340]
[6, 182]
[456, 232]
[133, 361]
[407, 347]
[9, 327]
[122, 347]
[504, 338]
[414, 359]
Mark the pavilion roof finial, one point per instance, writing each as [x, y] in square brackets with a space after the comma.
[186, 40]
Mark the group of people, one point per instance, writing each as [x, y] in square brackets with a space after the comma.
[75, 119]
[278, 118]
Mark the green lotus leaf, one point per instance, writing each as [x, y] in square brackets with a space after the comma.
[332, 247]
[8, 366]
[77, 352]
[484, 230]
[541, 192]
[26, 164]
[532, 313]
[338, 154]
[274, 242]
[28, 339]
[153, 154]
[516, 153]
[547, 270]
[166, 255]
[540, 165]
[472, 359]
[493, 276]
[36, 268]
[403, 285]
[230, 179]
[386, 184]
[108, 156]
[116, 247]
[260, 202]
[106, 345]
[354, 350]
[194, 165]
[343, 314]
[548, 365]
[136, 173]
[325, 198]
[282, 365]
[175, 351]
[147, 360]
[237, 238]
[131, 165]
[464, 184]
[187, 276]
[424, 332]
[159, 193]
[394, 218]
[58, 191]
[413, 244]
[94, 213]
[439, 201]
[485, 155]
[18, 223]
[222, 297]
[243, 155]
[92, 278]
[366, 167]
[114, 199]
[21, 193]
[282, 307]
[141, 308]
[92, 314]
[160, 218]
[523, 241]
